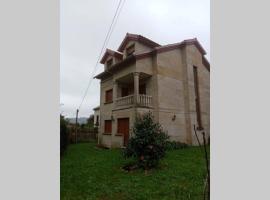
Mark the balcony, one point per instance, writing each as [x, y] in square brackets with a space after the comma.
[143, 100]
[132, 89]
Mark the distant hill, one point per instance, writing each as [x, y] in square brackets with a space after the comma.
[81, 120]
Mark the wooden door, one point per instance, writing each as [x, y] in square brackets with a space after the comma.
[123, 129]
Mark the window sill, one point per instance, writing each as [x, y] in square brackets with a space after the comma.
[108, 102]
[106, 134]
[118, 134]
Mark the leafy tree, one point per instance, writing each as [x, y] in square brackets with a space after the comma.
[148, 144]
[64, 133]
[90, 121]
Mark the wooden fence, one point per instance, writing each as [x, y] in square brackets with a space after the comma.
[83, 135]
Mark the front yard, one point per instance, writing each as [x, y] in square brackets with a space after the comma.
[91, 173]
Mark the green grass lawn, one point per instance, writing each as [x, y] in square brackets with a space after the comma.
[91, 173]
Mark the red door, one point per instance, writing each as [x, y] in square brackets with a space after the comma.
[123, 129]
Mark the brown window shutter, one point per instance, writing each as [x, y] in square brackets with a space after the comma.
[109, 96]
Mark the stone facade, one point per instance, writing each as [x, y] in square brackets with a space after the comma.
[159, 79]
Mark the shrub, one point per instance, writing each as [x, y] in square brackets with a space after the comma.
[64, 133]
[173, 145]
[148, 143]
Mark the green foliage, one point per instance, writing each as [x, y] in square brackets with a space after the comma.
[82, 126]
[148, 143]
[64, 134]
[173, 145]
[90, 121]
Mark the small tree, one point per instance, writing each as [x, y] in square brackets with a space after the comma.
[148, 143]
[64, 134]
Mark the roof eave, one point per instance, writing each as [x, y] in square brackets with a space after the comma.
[115, 67]
[206, 63]
[112, 53]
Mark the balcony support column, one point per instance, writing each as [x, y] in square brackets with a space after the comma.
[136, 76]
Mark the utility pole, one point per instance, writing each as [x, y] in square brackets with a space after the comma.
[76, 126]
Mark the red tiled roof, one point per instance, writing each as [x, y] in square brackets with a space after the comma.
[181, 44]
[156, 49]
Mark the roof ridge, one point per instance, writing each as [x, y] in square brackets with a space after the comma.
[138, 37]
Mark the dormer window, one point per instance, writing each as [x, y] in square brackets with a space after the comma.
[130, 50]
[109, 62]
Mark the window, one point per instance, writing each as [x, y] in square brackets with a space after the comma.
[130, 50]
[108, 126]
[109, 96]
[197, 97]
[109, 62]
[142, 89]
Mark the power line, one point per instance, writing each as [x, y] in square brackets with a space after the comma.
[107, 38]
[103, 46]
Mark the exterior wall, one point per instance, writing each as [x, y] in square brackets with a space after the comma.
[145, 65]
[177, 115]
[170, 82]
[171, 111]
[105, 111]
[108, 112]
[124, 72]
[115, 140]
[118, 140]
[139, 48]
[194, 58]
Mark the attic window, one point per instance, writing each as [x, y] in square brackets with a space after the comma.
[109, 62]
[130, 50]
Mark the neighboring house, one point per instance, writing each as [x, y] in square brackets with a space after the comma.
[172, 81]
[96, 116]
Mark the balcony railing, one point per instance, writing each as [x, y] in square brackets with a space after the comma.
[127, 100]
[143, 100]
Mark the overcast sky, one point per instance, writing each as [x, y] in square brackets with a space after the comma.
[83, 28]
